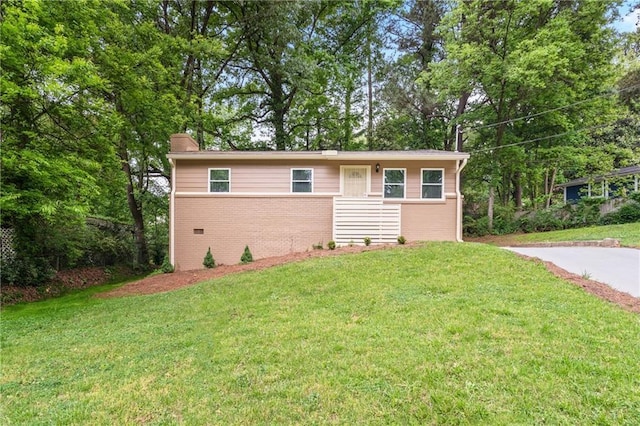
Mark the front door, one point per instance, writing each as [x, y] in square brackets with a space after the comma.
[355, 181]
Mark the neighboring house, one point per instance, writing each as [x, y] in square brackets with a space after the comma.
[612, 185]
[278, 202]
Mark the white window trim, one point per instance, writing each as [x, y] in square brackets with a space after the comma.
[292, 181]
[422, 183]
[404, 183]
[209, 179]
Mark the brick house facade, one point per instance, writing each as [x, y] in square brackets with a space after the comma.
[277, 202]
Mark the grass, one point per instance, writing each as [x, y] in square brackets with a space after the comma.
[441, 334]
[628, 234]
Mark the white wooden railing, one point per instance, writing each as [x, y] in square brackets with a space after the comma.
[357, 218]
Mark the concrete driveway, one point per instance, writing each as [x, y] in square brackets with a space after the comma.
[616, 267]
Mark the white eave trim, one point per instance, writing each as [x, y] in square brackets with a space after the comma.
[316, 155]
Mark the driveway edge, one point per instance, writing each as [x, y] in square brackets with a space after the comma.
[607, 242]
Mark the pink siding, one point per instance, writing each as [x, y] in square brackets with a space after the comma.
[429, 222]
[413, 177]
[256, 176]
[275, 176]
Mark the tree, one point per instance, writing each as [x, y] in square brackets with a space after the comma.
[138, 64]
[525, 63]
[412, 107]
[53, 149]
[288, 57]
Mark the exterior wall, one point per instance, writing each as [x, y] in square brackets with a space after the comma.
[256, 176]
[610, 187]
[429, 222]
[260, 211]
[413, 189]
[269, 226]
[275, 176]
[573, 193]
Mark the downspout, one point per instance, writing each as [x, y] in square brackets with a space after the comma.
[172, 211]
[459, 200]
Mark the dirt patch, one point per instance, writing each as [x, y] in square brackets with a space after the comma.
[167, 282]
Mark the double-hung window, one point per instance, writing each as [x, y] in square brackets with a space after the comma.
[219, 180]
[433, 184]
[301, 180]
[394, 183]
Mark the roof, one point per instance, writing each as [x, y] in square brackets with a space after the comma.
[624, 171]
[331, 155]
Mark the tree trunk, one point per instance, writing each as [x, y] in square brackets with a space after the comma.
[141, 255]
[348, 131]
[369, 90]
[453, 136]
[279, 112]
[490, 208]
[517, 190]
[549, 188]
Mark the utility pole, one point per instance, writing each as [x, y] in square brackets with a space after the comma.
[458, 138]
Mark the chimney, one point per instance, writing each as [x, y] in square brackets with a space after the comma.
[182, 142]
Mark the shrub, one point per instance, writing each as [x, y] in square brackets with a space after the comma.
[367, 241]
[628, 213]
[332, 245]
[167, 267]
[401, 240]
[246, 257]
[541, 221]
[209, 262]
[25, 271]
[504, 221]
[587, 212]
[317, 246]
[476, 227]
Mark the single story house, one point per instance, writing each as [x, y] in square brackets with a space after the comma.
[278, 202]
[612, 185]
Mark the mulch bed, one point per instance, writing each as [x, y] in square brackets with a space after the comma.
[167, 282]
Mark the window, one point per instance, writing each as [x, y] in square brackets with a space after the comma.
[433, 184]
[219, 180]
[301, 180]
[394, 183]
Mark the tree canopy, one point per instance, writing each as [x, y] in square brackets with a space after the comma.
[544, 91]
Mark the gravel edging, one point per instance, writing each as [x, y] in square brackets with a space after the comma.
[607, 242]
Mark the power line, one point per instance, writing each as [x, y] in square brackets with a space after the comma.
[513, 120]
[584, 129]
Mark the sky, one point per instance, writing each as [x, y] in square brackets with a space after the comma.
[628, 20]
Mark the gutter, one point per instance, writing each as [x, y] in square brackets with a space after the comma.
[459, 200]
[172, 215]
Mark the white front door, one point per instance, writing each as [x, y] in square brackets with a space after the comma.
[355, 181]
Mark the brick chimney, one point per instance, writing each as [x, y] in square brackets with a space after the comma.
[182, 142]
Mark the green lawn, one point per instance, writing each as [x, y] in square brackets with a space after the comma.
[440, 334]
[628, 234]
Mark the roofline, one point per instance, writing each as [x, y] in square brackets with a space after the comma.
[318, 155]
[625, 171]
